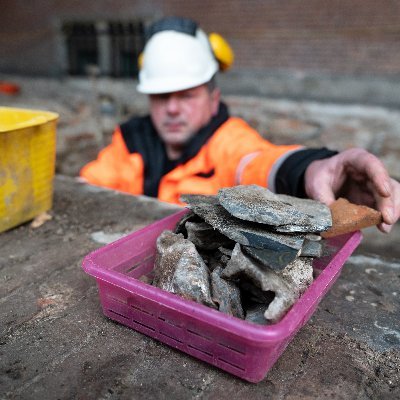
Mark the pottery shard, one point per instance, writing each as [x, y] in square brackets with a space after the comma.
[243, 232]
[348, 217]
[285, 213]
[179, 269]
[226, 295]
[267, 280]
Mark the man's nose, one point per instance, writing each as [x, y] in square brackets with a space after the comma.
[173, 105]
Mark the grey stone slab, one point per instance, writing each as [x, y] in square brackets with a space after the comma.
[285, 295]
[181, 224]
[255, 314]
[253, 294]
[298, 274]
[226, 294]
[214, 258]
[276, 260]
[243, 232]
[179, 269]
[204, 236]
[311, 248]
[286, 213]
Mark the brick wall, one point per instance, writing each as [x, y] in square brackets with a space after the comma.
[338, 36]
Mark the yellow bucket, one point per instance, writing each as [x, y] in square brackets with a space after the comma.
[27, 163]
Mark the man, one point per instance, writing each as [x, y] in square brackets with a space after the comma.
[190, 144]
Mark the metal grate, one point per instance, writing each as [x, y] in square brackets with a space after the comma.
[82, 50]
[127, 41]
[112, 46]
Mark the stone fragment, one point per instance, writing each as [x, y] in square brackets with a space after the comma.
[255, 314]
[276, 260]
[243, 232]
[226, 295]
[298, 274]
[214, 258]
[348, 217]
[286, 213]
[179, 269]
[311, 248]
[180, 227]
[268, 280]
[226, 251]
[204, 236]
[258, 204]
[253, 294]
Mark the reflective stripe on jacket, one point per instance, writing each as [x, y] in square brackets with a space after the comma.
[234, 155]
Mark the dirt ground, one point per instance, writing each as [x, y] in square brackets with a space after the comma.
[56, 343]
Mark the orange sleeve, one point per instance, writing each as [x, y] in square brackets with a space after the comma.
[243, 156]
[116, 168]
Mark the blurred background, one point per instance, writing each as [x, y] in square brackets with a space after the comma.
[316, 72]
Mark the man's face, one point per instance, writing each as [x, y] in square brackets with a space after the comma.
[178, 116]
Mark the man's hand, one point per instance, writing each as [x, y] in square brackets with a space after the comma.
[358, 176]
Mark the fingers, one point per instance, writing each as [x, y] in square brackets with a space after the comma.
[366, 163]
[318, 181]
[358, 176]
[390, 207]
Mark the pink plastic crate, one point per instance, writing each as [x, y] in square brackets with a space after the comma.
[242, 348]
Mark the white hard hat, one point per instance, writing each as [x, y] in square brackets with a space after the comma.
[175, 60]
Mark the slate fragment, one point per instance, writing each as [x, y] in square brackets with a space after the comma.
[299, 274]
[274, 259]
[180, 227]
[311, 248]
[255, 314]
[243, 232]
[252, 294]
[226, 295]
[267, 280]
[204, 236]
[285, 213]
[179, 269]
[214, 258]
[258, 204]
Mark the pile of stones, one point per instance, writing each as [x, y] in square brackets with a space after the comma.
[246, 252]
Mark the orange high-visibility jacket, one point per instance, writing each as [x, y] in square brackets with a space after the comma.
[235, 154]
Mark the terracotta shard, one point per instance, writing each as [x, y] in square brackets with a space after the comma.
[348, 217]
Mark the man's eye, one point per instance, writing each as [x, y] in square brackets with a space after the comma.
[188, 95]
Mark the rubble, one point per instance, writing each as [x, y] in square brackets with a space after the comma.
[243, 232]
[285, 213]
[226, 294]
[180, 269]
[284, 287]
[252, 271]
